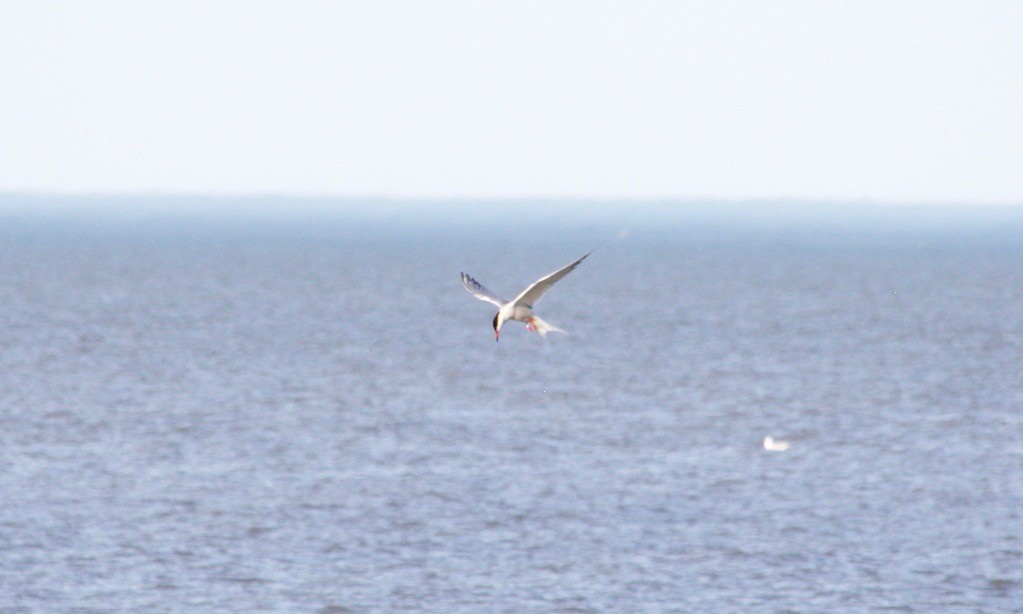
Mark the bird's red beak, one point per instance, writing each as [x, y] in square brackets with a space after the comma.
[497, 335]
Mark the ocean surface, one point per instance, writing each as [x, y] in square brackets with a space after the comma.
[311, 415]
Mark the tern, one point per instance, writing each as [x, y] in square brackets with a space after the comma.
[775, 446]
[521, 308]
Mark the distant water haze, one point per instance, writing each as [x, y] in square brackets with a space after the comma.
[307, 412]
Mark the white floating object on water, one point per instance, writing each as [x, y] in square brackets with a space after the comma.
[775, 446]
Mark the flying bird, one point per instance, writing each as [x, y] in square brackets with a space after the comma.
[521, 308]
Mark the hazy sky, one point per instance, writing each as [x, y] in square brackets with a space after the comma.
[893, 101]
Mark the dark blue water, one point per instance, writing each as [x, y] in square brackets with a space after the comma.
[313, 416]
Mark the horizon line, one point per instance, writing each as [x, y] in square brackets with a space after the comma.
[214, 195]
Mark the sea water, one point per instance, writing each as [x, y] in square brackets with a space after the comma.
[312, 415]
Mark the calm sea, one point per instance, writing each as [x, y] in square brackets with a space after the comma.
[311, 414]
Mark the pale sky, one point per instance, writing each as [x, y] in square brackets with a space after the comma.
[915, 101]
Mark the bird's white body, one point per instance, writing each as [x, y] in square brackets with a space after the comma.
[520, 309]
[519, 313]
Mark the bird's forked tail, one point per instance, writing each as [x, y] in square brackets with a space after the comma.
[539, 326]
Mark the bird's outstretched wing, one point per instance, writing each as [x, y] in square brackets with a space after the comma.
[476, 289]
[532, 294]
